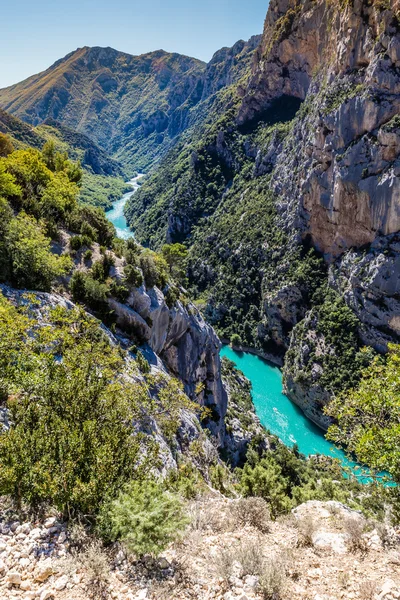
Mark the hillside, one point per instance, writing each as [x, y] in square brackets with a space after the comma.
[103, 179]
[130, 105]
[289, 198]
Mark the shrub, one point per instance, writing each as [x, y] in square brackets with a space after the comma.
[32, 263]
[235, 341]
[84, 400]
[250, 557]
[133, 276]
[144, 517]
[253, 512]
[306, 527]
[6, 146]
[265, 480]
[368, 589]
[354, 527]
[223, 563]
[76, 242]
[154, 268]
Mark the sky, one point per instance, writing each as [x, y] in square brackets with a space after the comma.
[37, 33]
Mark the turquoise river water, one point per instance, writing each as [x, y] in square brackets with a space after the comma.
[275, 411]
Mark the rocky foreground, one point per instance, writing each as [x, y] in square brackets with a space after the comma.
[323, 551]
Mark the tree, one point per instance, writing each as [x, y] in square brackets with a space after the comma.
[6, 145]
[144, 517]
[368, 416]
[176, 257]
[236, 342]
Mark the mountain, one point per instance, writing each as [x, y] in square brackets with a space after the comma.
[288, 196]
[133, 107]
[121, 101]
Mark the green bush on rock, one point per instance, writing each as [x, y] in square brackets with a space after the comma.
[144, 517]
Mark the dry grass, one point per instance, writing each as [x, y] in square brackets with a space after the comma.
[368, 590]
[273, 578]
[250, 557]
[354, 527]
[252, 511]
[224, 563]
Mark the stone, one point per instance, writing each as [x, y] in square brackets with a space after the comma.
[334, 542]
[25, 585]
[46, 594]
[44, 571]
[387, 588]
[50, 522]
[61, 583]
[14, 578]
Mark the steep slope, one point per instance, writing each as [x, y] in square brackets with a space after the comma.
[290, 198]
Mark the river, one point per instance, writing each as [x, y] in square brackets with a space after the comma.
[116, 214]
[276, 412]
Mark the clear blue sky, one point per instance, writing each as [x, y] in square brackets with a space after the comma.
[36, 33]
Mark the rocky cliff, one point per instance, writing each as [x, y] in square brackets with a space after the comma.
[343, 64]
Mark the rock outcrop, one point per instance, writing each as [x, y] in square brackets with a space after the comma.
[185, 343]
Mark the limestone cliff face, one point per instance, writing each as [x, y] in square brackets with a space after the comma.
[183, 341]
[343, 63]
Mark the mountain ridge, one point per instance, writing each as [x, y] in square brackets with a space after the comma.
[134, 107]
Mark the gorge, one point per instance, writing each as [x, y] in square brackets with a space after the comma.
[142, 458]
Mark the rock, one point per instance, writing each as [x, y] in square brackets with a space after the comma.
[25, 585]
[36, 533]
[44, 571]
[61, 583]
[50, 522]
[46, 593]
[335, 542]
[14, 578]
[387, 588]
[163, 563]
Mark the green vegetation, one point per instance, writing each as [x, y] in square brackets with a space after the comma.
[38, 197]
[285, 479]
[368, 416]
[144, 517]
[65, 378]
[330, 331]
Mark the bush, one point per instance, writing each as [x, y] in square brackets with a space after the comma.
[354, 527]
[84, 400]
[31, 262]
[306, 527]
[154, 268]
[133, 276]
[236, 342]
[250, 557]
[76, 242]
[144, 517]
[253, 512]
